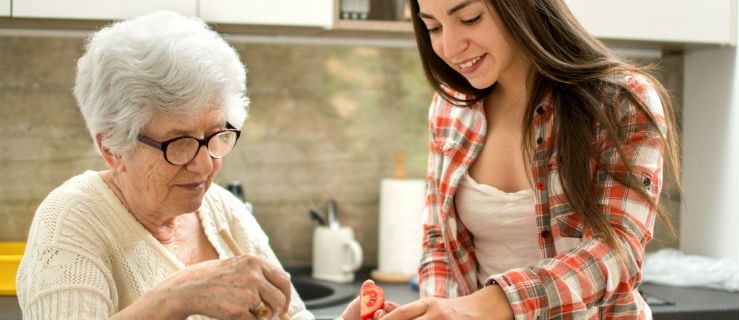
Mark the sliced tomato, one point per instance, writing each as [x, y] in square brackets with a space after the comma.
[372, 298]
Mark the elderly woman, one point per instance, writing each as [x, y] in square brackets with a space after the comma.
[163, 97]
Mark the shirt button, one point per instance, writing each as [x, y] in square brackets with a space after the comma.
[540, 110]
[544, 234]
[540, 185]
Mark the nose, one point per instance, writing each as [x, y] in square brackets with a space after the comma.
[453, 42]
[202, 163]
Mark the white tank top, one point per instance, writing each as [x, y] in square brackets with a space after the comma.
[503, 225]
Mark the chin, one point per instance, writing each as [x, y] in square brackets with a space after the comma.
[190, 205]
[480, 85]
[189, 209]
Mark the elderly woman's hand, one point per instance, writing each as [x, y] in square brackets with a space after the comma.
[223, 289]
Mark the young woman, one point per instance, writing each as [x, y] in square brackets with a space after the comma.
[545, 166]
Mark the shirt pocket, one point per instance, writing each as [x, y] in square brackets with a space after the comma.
[566, 221]
[443, 146]
[570, 228]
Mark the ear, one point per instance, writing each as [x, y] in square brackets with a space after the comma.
[114, 161]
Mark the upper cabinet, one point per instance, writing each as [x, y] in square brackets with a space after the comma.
[682, 21]
[4, 8]
[301, 13]
[659, 22]
[96, 9]
[652, 21]
[366, 15]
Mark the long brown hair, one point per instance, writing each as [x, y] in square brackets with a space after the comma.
[578, 71]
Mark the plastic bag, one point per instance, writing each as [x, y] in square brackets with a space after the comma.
[672, 267]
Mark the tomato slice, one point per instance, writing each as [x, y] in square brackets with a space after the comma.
[372, 298]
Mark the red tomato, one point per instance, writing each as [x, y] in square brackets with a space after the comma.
[372, 298]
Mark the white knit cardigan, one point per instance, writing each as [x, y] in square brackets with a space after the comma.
[87, 257]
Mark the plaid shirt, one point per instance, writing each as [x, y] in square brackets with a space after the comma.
[585, 280]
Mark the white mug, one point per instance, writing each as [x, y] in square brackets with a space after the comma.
[336, 255]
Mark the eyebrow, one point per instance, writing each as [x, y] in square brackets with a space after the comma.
[451, 11]
[179, 132]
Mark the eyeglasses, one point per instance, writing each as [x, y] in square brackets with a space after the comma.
[182, 150]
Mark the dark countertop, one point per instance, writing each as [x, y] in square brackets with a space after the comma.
[9, 309]
[691, 303]
[666, 302]
[673, 303]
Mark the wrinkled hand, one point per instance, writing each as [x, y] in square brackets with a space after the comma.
[227, 289]
[352, 311]
[487, 303]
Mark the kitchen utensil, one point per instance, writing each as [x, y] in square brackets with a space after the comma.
[315, 216]
[237, 190]
[318, 209]
[231, 243]
[333, 218]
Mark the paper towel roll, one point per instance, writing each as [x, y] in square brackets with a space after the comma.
[401, 206]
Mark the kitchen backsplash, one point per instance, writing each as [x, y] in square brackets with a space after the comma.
[326, 122]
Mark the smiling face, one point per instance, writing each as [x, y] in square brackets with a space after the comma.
[470, 37]
[156, 190]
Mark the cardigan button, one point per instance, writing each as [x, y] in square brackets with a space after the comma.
[539, 140]
[540, 110]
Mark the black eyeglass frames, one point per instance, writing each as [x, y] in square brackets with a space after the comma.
[181, 150]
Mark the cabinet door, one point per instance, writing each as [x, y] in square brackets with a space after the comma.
[684, 21]
[4, 8]
[97, 9]
[314, 13]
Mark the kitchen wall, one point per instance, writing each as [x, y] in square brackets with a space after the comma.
[711, 169]
[326, 121]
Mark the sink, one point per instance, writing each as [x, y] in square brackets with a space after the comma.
[320, 294]
[654, 300]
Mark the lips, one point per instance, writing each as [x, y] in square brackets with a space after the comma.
[470, 65]
[193, 186]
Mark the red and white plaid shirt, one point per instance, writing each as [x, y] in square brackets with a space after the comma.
[582, 281]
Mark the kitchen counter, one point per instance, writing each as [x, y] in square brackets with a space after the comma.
[9, 309]
[667, 303]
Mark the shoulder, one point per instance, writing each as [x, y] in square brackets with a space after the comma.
[79, 218]
[443, 113]
[645, 89]
[77, 205]
[441, 105]
[438, 106]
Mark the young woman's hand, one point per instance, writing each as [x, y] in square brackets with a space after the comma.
[489, 303]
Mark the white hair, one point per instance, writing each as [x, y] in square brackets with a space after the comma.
[161, 62]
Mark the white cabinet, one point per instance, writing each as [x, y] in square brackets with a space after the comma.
[682, 21]
[96, 9]
[314, 13]
[4, 8]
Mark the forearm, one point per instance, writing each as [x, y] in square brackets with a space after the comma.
[569, 284]
[154, 305]
[492, 302]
